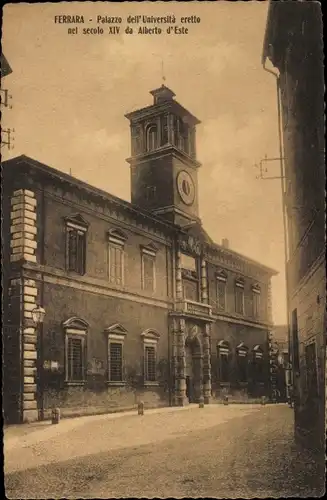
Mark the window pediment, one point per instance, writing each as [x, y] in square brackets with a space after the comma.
[75, 323]
[242, 349]
[239, 282]
[221, 275]
[117, 236]
[258, 352]
[149, 249]
[150, 334]
[116, 329]
[223, 347]
[223, 343]
[77, 221]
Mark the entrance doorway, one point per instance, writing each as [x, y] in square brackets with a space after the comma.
[193, 370]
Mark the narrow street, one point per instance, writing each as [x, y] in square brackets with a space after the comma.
[220, 451]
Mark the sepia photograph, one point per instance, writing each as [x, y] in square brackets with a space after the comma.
[163, 249]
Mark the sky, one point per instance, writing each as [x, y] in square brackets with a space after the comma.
[70, 94]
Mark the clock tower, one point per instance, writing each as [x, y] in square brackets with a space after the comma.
[163, 160]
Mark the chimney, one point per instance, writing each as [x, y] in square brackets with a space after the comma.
[225, 243]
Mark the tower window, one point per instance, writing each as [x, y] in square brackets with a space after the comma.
[152, 138]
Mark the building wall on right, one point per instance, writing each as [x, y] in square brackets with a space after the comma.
[294, 45]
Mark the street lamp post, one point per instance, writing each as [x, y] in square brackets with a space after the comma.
[38, 314]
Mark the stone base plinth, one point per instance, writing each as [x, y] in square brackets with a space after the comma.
[30, 416]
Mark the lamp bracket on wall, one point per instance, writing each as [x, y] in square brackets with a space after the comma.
[263, 169]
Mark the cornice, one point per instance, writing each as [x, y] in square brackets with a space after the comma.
[229, 318]
[162, 152]
[92, 285]
[156, 109]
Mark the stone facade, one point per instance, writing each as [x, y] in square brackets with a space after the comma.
[294, 45]
[131, 299]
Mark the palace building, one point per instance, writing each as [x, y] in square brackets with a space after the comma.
[293, 46]
[140, 303]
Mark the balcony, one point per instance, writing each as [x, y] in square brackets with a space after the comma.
[193, 309]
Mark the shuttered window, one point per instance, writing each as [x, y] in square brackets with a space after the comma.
[116, 263]
[239, 298]
[150, 363]
[223, 354]
[256, 301]
[221, 294]
[242, 364]
[76, 250]
[115, 362]
[75, 359]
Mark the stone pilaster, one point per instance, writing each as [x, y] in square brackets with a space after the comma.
[30, 352]
[23, 226]
[173, 333]
[204, 282]
[179, 284]
[206, 365]
[181, 399]
[23, 247]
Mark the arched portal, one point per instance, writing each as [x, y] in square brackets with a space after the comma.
[193, 369]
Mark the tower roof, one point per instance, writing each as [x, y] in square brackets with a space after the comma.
[162, 94]
[163, 100]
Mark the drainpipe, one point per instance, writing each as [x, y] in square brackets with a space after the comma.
[276, 74]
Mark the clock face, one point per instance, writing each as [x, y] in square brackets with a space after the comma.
[185, 186]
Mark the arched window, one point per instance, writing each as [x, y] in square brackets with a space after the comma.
[151, 137]
[223, 355]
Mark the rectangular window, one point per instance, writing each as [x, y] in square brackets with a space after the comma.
[242, 367]
[75, 359]
[116, 264]
[256, 302]
[148, 272]
[223, 365]
[221, 294]
[239, 299]
[150, 364]
[115, 362]
[76, 248]
[258, 370]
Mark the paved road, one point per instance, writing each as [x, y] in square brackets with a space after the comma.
[217, 452]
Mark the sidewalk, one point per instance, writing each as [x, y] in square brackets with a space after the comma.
[19, 434]
[25, 434]
[78, 437]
